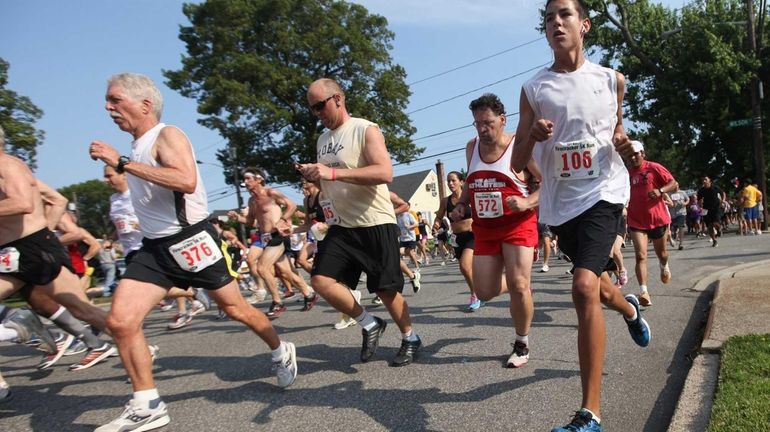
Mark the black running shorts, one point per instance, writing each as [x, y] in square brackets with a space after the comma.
[653, 233]
[588, 238]
[40, 258]
[155, 264]
[463, 240]
[347, 252]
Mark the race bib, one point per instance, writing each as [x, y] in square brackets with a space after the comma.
[9, 260]
[575, 160]
[124, 226]
[196, 253]
[332, 218]
[488, 204]
[453, 240]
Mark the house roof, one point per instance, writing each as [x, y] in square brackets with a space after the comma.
[406, 185]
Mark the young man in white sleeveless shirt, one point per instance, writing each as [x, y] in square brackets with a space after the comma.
[570, 122]
[353, 169]
[179, 247]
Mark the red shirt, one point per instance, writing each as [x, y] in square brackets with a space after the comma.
[645, 212]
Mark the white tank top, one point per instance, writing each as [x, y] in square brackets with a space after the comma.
[125, 220]
[163, 212]
[579, 163]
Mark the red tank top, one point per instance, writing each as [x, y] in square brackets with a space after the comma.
[77, 259]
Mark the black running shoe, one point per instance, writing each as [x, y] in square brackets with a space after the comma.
[407, 352]
[372, 339]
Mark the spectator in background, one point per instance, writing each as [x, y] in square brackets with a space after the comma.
[107, 257]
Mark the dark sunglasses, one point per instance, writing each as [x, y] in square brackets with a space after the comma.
[318, 106]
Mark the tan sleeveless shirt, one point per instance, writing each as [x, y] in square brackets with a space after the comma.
[355, 205]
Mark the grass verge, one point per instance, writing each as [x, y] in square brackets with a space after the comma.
[742, 401]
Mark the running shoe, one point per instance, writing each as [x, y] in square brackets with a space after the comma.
[474, 304]
[416, 282]
[179, 321]
[286, 368]
[221, 316]
[5, 393]
[276, 310]
[372, 339]
[582, 422]
[377, 300]
[197, 308]
[51, 359]
[407, 352]
[26, 324]
[287, 295]
[714, 244]
[665, 273]
[94, 357]
[571, 271]
[310, 302]
[681, 246]
[520, 355]
[639, 329]
[545, 268]
[622, 278]
[76, 348]
[344, 322]
[202, 296]
[139, 417]
[166, 306]
[644, 299]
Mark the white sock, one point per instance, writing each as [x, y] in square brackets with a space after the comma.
[598, 420]
[58, 313]
[643, 288]
[7, 333]
[410, 336]
[523, 339]
[278, 353]
[145, 396]
[366, 321]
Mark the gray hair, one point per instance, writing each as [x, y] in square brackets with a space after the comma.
[2, 138]
[139, 87]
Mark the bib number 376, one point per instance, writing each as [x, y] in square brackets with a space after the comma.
[196, 253]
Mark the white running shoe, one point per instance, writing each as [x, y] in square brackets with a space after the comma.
[545, 268]
[416, 282]
[520, 355]
[139, 417]
[344, 322]
[286, 368]
[197, 307]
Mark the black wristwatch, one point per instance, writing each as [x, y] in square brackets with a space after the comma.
[122, 162]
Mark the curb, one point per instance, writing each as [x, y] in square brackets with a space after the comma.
[693, 409]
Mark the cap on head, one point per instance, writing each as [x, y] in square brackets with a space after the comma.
[637, 146]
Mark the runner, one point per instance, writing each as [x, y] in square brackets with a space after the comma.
[275, 224]
[710, 200]
[504, 220]
[178, 249]
[648, 216]
[461, 237]
[353, 169]
[570, 117]
[678, 212]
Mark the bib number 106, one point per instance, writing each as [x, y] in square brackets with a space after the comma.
[576, 161]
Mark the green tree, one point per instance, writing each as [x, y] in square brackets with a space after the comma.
[92, 199]
[17, 117]
[249, 63]
[688, 73]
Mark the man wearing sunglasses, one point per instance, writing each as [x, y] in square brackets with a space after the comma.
[353, 170]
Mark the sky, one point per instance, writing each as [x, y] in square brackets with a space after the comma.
[61, 54]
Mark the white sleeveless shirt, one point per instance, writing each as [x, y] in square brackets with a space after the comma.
[579, 163]
[123, 216]
[163, 212]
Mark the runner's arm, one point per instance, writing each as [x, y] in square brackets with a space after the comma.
[55, 203]
[93, 245]
[16, 185]
[528, 132]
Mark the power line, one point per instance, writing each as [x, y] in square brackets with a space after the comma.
[477, 89]
[475, 61]
[453, 129]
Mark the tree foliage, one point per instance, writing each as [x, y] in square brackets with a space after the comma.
[249, 63]
[17, 117]
[688, 73]
[92, 199]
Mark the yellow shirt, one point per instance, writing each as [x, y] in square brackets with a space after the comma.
[751, 196]
[355, 205]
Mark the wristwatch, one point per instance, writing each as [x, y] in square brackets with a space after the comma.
[122, 162]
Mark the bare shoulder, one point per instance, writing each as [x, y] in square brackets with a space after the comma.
[14, 168]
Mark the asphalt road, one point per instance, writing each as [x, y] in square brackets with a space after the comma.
[215, 375]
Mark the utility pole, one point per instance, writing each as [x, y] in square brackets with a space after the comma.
[756, 112]
[237, 183]
[441, 179]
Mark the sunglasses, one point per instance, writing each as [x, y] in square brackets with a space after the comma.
[318, 106]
